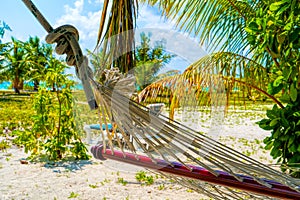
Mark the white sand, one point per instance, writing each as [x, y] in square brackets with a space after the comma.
[96, 179]
[87, 179]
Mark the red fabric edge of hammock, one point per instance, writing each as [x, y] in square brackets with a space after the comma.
[277, 190]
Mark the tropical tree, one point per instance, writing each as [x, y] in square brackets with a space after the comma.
[37, 55]
[149, 61]
[55, 76]
[13, 68]
[28, 61]
[54, 134]
[98, 61]
[3, 47]
[259, 51]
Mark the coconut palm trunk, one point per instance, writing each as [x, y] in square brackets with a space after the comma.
[17, 84]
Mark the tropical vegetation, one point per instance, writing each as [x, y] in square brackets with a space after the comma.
[25, 61]
[3, 27]
[55, 135]
[49, 130]
[149, 61]
[254, 55]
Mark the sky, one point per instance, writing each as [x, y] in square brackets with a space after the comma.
[85, 16]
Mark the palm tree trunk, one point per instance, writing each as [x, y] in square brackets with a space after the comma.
[36, 85]
[16, 85]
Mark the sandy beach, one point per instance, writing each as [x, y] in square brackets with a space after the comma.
[95, 179]
[91, 179]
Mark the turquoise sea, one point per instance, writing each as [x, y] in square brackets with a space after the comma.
[7, 85]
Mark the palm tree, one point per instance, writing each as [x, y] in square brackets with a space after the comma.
[98, 61]
[149, 61]
[3, 27]
[13, 67]
[222, 27]
[37, 55]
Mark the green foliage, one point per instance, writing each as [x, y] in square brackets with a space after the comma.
[97, 60]
[3, 28]
[284, 142]
[15, 112]
[4, 145]
[149, 61]
[26, 61]
[13, 67]
[275, 28]
[264, 34]
[73, 195]
[54, 123]
[162, 187]
[38, 59]
[122, 181]
[54, 132]
[93, 186]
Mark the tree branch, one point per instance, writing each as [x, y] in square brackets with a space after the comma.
[258, 89]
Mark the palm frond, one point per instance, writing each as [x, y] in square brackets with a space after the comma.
[219, 75]
[218, 23]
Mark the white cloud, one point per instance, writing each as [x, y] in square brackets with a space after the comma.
[149, 18]
[87, 22]
[83, 15]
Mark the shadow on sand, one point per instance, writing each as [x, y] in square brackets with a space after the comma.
[67, 165]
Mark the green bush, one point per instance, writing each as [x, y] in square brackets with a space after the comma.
[284, 141]
[54, 132]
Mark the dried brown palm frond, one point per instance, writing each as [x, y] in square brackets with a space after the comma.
[116, 33]
[242, 78]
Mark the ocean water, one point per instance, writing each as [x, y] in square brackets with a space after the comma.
[7, 85]
[4, 85]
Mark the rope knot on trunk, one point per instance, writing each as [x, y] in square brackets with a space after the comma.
[67, 38]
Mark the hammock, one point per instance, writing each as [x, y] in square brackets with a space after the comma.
[187, 156]
[174, 144]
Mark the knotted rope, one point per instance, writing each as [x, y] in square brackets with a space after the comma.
[67, 38]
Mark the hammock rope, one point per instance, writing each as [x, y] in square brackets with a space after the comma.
[176, 147]
[186, 142]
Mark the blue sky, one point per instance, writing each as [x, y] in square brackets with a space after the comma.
[85, 16]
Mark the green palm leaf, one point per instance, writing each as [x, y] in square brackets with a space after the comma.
[218, 23]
